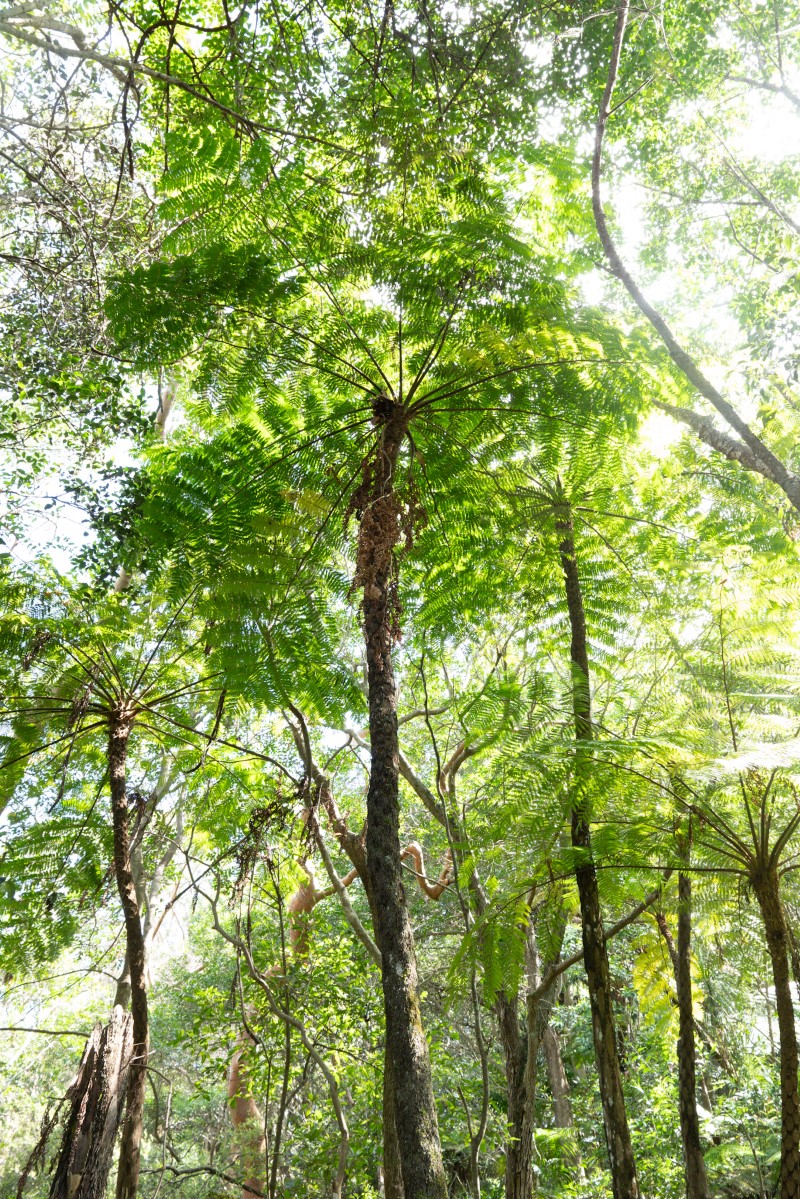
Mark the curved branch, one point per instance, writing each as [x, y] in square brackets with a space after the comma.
[764, 461]
[431, 890]
[350, 915]
[123, 69]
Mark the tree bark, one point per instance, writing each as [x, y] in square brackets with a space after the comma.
[542, 1035]
[767, 891]
[392, 1166]
[694, 1163]
[120, 727]
[353, 845]
[379, 532]
[96, 1098]
[618, 1141]
[519, 1137]
[557, 1078]
[681, 958]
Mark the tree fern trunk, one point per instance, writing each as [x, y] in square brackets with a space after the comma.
[766, 887]
[379, 531]
[130, 1147]
[392, 1166]
[695, 1166]
[618, 1141]
[353, 846]
[519, 1115]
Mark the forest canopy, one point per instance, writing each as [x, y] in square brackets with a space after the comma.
[399, 581]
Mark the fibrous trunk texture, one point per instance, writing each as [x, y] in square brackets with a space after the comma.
[766, 887]
[694, 1163]
[519, 1139]
[130, 1146]
[392, 1166]
[414, 1110]
[95, 1101]
[618, 1140]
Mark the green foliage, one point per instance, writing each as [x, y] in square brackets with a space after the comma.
[330, 211]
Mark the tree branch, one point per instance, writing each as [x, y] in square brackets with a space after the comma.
[560, 967]
[764, 461]
[708, 432]
[48, 1032]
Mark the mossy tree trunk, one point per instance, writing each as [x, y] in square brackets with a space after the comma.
[120, 725]
[618, 1140]
[379, 532]
[767, 889]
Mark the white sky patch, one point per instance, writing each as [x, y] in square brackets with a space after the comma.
[58, 531]
[659, 433]
[540, 51]
[772, 130]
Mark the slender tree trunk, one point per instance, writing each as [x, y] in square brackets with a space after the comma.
[542, 1034]
[130, 1147]
[519, 1138]
[696, 1180]
[519, 1089]
[353, 846]
[618, 1140]
[766, 887]
[379, 532]
[557, 1078]
[680, 956]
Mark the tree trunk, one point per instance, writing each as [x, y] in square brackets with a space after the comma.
[122, 994]
[248, 1124]
[618, 1141]
[130, 1146]
[695, 1166]
[96, 1098]
[680, 956]
[519, 1088]
[541, 1033]
[766, 887]
[519, 1137]
[392, 1167]
[391, 1177]
[557, 1078]
[123, 991]
[379, 532]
